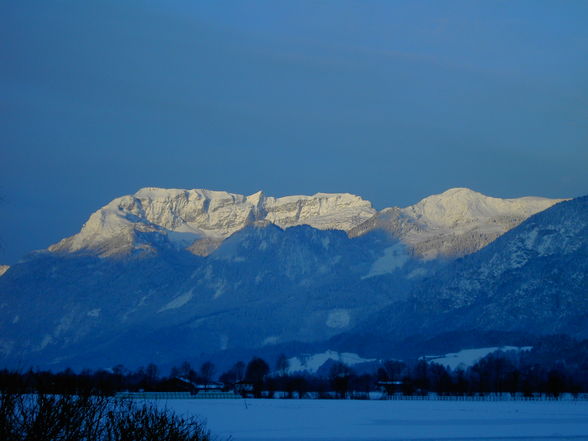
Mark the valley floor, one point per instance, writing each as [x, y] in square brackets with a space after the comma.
[347, 420]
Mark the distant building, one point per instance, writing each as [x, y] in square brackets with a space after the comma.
[213, 385]
[177, 384]
[390, 387]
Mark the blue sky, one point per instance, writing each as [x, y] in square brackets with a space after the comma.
[390, 100]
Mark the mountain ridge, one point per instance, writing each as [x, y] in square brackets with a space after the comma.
[267, 287]
[200, 220]
[531, 279]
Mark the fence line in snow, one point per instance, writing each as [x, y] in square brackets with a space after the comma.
[488, 397]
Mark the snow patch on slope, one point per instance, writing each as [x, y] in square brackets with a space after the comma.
[468, 357]
[271, 340]
[338, 319]
[46, 341]
[312, 363]
[394, 258]
[178, 302]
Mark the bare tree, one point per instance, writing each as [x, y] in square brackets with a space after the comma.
[282, 364]
[207, 372]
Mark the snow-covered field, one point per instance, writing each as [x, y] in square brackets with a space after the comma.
[388, 420]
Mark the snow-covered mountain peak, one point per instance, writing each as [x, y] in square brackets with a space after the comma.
[299, 284]
[185, 217]
[460, 221]
[460, 206]
[454, 223]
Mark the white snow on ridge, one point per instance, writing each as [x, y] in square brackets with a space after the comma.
[459, 206]
[461, 221]
[189, 217]
[340, 211]
[468, 357]
[210, 214]
[312, 363]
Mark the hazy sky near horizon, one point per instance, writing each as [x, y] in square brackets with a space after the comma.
[390, 100]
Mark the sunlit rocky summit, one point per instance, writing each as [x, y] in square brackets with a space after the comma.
[165, 275]
[456, 222]
[201, 219]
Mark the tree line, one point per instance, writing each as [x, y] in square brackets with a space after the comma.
[556, 365]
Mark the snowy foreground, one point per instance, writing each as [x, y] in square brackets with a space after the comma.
[388, 420]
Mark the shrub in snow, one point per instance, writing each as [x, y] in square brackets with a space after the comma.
[91, 418]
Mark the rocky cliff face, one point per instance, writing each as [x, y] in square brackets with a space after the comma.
[201, 219]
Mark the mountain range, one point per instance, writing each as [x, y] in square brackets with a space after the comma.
[165, 275]
[454, 223]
